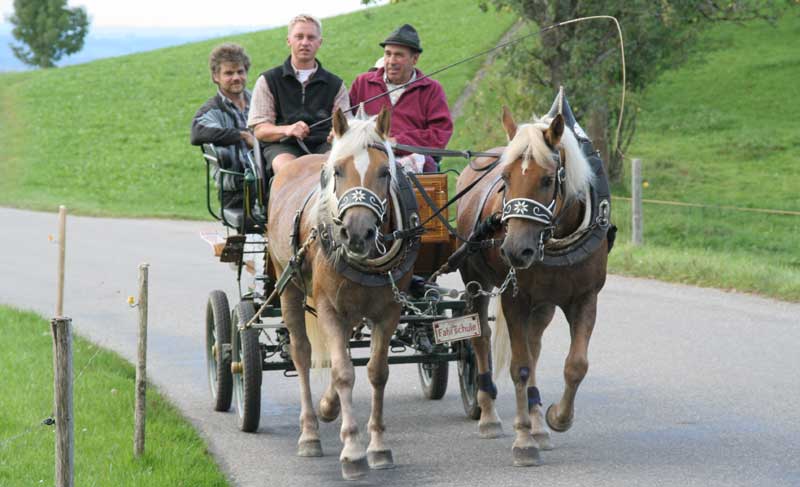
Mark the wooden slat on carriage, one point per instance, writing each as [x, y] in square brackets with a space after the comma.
[437, 243]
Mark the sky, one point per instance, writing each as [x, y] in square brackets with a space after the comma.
[121, 27]
[244, 14]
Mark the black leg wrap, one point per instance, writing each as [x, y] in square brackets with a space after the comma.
[485, 384]
[534, 399]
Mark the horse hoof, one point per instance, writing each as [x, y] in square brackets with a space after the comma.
[354, 470]
[553, 423]
[526, 456]
[490, 430]
[380, 460]
[543, 440]
[328, 412]
[310, 448]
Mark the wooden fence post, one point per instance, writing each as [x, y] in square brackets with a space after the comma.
[636, 203]
[141, 366]
[62, 388]
[62, 237]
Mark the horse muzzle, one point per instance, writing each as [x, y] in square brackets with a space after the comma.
[357, 233]
[521, 253]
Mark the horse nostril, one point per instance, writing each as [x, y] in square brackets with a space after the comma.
[343, 234]
[528, 253]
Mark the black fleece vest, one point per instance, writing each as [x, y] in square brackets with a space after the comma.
[312, 103]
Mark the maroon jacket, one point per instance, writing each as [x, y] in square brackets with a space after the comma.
[420, 117]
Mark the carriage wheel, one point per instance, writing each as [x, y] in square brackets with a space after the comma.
[468, 380]
[218, 356]
[433, 377]
[247, 368]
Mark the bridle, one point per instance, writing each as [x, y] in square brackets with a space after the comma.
[532, 210]
[365, 197]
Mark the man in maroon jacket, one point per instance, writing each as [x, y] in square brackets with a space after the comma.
[420, 115]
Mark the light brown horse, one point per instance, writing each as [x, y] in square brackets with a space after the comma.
[347, 209]
[540, 188]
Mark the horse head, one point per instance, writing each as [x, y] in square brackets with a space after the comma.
[357, 179]
[543, 170]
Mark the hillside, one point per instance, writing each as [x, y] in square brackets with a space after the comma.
[721, 131]
[111, 137]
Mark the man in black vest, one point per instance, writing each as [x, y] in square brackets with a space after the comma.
[289, 98]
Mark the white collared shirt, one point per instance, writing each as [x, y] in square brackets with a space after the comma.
[302, 75]
[395, 95]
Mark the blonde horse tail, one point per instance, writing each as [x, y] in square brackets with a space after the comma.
[501, 344]
[320, 355]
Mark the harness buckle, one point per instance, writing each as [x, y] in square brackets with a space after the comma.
[604, 213]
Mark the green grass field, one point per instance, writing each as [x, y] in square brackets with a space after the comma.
[111, 137]
[720, 131]
[103, 404]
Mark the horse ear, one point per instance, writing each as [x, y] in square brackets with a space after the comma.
[339, 123]
[508, 123]
[384, 123]
[554, 132]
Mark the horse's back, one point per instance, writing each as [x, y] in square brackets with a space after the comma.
[289, 191]
[470, 203]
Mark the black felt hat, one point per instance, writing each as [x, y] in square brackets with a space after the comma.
[404, 36]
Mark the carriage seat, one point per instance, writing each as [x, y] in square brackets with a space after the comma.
[231, 189]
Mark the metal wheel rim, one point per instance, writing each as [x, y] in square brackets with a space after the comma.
[426, 373]
[211, 360]
[466, 367]
[238, 379]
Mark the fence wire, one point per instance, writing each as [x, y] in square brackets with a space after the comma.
[50, 420]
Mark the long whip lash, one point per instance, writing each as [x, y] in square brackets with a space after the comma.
[506, 44]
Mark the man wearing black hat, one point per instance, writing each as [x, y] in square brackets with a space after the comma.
[420, 115]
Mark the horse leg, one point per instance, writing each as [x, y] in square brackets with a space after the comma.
[308, 445]
[329, 406]
[378, 455]
[540, 318]
[581, 315]
[353, 456]
[525, 450]
[489, 425]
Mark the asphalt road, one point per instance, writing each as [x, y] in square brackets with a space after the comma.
[686, 386]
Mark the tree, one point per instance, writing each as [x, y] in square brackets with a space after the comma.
[584, 56]
[47, 30]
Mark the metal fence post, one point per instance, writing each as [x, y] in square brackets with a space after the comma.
[141, 366]
[62, 392]
[636, 203]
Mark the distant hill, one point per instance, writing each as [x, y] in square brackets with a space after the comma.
[109, 42]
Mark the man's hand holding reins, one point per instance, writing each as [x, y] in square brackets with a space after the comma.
[299, 130]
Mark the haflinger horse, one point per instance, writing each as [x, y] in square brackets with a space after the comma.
[540, 192]
[347, 198]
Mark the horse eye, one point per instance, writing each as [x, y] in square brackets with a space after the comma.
[337, 173]
[547, 181]
[384, 173]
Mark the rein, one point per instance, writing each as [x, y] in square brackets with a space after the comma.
[437, 211]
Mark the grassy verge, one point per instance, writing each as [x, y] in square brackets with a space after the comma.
[103, 402]
[111, 137]
[720, 131]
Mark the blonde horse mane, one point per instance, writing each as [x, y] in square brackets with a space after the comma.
[529, 144]
[359, 136]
